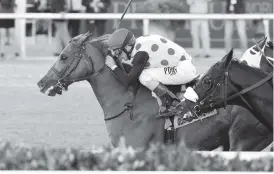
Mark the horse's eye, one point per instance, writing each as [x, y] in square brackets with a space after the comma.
[207, 83]
[63, 57]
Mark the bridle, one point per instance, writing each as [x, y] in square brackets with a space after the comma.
[210, 102]
[269, 59]
[63, 82]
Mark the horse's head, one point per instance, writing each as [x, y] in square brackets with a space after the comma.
[227, 81]
[74, 64]
[211, 87]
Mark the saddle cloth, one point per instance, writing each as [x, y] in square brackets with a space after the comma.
[179, 122]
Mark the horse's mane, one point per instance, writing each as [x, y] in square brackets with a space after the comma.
[99, 40]
[244, 65]
[270, 44]
[102, 40]
[80, 38]
[101, 43]
[247, 67]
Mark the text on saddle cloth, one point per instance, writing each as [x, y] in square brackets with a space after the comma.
[179, 122]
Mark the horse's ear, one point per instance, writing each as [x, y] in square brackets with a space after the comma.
[85, 37]
[261, 43]
[88, 34]
[228, 58]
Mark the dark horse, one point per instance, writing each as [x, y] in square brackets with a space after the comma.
[235, 83]
[265, 63]
[134, 115]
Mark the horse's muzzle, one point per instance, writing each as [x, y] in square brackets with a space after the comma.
[42, 85]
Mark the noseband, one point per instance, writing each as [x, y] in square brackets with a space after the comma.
[210, 102]
[63, 82]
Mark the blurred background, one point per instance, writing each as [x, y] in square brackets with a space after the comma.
[201, 37]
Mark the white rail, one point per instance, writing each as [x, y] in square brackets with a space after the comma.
[136, 16]
[133, 16]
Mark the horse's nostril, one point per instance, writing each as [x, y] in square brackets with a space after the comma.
[41, 84]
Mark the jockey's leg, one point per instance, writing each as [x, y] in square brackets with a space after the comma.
[58, 39]
[148, 79]
[195, 33]
[65, 34]
[266, 28]
[156, 78]
[205, 36]
[241, 28]
[228, 34]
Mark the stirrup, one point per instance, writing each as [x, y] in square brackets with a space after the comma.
[177, 109]
[167, 112]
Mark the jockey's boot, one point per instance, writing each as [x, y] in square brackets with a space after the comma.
[167, 98]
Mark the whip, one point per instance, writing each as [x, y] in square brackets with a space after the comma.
[125, 11]
[116, 59]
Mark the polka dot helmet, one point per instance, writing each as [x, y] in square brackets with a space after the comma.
[120, 38]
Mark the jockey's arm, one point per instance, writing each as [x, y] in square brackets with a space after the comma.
[138, 64]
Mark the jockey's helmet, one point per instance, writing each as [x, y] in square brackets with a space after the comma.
[120, 39]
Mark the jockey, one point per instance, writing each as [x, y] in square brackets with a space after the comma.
[156, 62]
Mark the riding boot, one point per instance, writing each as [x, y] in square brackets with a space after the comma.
[167, 98]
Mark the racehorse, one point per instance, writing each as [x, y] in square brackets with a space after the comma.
[235, 83]
[265, 63]
[132, 113]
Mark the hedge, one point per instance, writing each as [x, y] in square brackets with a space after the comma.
[155, 157]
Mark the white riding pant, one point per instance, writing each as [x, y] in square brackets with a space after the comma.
[200, 32]
[181, 74]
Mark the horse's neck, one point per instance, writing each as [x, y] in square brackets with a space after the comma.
[113, 95]
[265, 65]
[261, 98]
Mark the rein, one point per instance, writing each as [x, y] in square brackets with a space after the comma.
[128, 106]
[63, 81]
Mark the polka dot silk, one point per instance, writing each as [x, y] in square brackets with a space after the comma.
[162, 52]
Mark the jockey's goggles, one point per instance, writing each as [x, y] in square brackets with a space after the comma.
[118, 51]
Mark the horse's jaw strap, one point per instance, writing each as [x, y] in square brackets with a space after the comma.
[63, 77]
